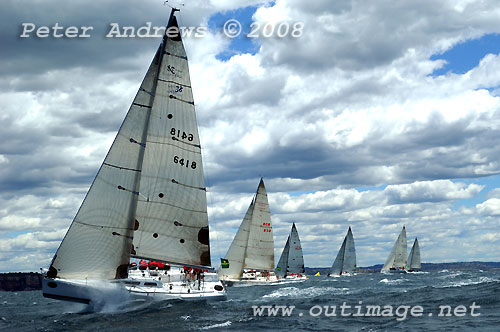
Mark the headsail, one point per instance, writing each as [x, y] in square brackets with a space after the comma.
[292, 259]
[397, 257]
[345, 262]
[237, 251]
[148, 198]
[414, 257]
[282, 267]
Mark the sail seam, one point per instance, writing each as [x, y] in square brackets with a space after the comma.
[120, 167]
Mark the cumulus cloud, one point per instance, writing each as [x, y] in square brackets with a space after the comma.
[346, 123]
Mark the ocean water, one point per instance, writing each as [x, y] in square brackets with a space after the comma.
[441, 301]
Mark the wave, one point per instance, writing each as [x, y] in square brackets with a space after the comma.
[393, 281]
[309, 292]
[209, 327]
[467, 282]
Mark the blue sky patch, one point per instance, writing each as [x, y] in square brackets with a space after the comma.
[490, 183]
[465, 56]
[240, 44]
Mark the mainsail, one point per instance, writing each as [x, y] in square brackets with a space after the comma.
[397, 257]
[345, 262]
[292, 259]
[414, 257]
[253, 245]
[148, 199]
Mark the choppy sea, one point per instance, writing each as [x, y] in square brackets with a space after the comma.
[432, 301]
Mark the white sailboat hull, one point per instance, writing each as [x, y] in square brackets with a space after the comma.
[395, 270]
[343, 274]
[150, 285]
[268, 278]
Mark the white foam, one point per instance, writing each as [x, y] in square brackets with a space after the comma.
[392, 281]
[294, 292]
[228, 323]
[482, 280]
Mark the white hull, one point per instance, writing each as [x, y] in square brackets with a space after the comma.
[255, 278]
[149, 285]
[342, 275]
[393, 271]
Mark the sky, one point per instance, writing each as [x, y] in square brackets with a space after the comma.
[378, 115]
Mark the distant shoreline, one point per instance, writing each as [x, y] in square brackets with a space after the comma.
[476, 265]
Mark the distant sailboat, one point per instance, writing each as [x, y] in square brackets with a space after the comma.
[396, 262]
[291, 263]
[345, 262]
[414, 258]
[148, 201]
[250, 258]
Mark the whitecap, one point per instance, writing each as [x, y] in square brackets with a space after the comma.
[305, 292]
[228, 323]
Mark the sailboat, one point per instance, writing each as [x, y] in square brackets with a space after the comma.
[291, 263]
[414, 258]
[147, 201]
[250, 258]
[396, 262]
[345, 262]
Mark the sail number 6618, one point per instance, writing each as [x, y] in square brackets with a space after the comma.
[183, 162]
